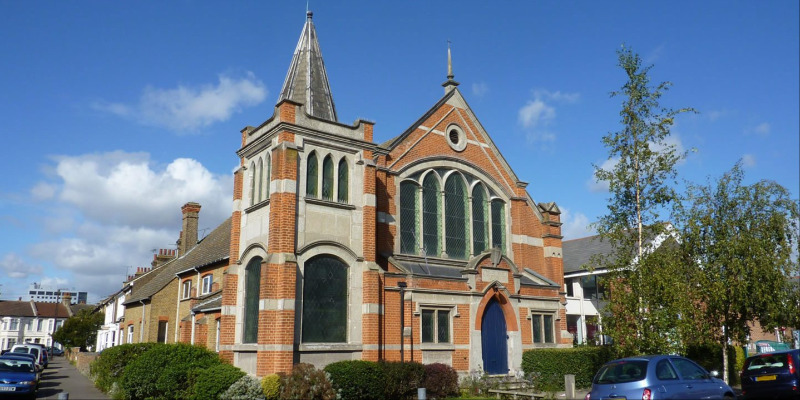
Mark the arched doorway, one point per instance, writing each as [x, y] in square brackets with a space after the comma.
[494, 339]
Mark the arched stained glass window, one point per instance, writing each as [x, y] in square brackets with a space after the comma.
[327, 178]
[498, 224]
[456, 222]
[267, 175]
[312, 175]
[409, 210]
[344, 188]
[260, 172]
[252, 288]
[253, 179]
[325, 301]
[480, 224]
[431, 200]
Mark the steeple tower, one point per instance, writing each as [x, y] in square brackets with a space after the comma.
[450, 84]
[307, 82]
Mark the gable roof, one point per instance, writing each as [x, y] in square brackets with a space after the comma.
[212, 249]
[33, 309]
[16, 309]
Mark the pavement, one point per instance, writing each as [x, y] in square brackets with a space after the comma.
[61, 378]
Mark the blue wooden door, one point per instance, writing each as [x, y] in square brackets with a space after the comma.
[493, 339]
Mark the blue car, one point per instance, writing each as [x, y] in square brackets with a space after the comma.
[25, 356]
[18, 377]
[773, 375]
[657, 377]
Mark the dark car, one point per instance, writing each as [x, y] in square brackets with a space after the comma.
[656, 377]
[25, 356]
[18, 377]
[55, 351]
[773, 375]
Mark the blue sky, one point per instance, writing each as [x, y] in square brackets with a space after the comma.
[114, 114]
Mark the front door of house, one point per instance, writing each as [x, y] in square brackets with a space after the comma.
[494, 339]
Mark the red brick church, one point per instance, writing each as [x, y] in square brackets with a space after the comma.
[427, 246]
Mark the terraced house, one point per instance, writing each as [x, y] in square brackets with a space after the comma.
[427, 247]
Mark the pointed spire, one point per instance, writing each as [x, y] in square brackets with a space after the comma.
[450, 84]
[307, 82]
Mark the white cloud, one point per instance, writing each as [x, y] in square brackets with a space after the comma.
[190, 108]
[111, 210]
[539, 113]
[480, 89]
[15, 267]
[596, 186]
[762, 129]
[43, 191]
[575, 225]
[748, 160]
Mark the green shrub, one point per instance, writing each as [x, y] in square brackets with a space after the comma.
[209, 383]
[271, 386]
[546, 367]
[163, 371]
[401, 380]
[107, 369]
[709, 356]
[307, 382]
[356, 379]
[246, 388]
[441, 380]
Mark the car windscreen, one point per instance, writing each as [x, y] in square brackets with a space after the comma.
[767, 362]
[16, 365]
[621, 372]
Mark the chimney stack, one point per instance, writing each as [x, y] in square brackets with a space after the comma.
[162, 257]
[188, 237]
[66, 299]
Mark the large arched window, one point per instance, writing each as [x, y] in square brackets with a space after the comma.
[324, 301]
[260, 173]
[456, 223]
[267, 175]
[480, 226]
[252, 288]
[343, 188]
[498, 224]
[431, 199]
[253, 179]
[312, 175]
[409, 210]
[327, 178]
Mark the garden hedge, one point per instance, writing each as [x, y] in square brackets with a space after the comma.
[107, 369]
[546, 367]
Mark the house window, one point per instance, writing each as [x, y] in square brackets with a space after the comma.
[253, 179]
[430, 215]
[325, 301]
[570, 290]
[409, 209]
[252, 286]
[480, 227]
[543, 328]
[312, 173]
[186, 290]
[207, 282]
[130, 334]
[162, 332]
[14, 324]
[327, 178]
[343, 187]
[435, 326]
[455, 215]
[39, 325]
[498, 225]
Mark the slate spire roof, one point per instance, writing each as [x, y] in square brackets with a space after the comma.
[307, 82]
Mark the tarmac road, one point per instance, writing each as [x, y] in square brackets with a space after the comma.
[62, 377]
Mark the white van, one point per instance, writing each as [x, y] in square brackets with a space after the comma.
[35, 350]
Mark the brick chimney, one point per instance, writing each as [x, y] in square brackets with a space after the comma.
[162, 256]
[188, 238]
[66, 299]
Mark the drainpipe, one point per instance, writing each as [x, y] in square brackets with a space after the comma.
[141, 325]
[193, 319]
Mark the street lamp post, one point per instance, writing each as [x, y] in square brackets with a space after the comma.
[402, 286]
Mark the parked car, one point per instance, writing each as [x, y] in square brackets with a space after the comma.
[657, 377]
[773, 375]
[18, 377]
[25, 356]
[43, 349]
[23, 348]
[55, 351]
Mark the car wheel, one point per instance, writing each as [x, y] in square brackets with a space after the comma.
[729, 396]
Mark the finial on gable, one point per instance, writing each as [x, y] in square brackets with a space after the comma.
[450, 84]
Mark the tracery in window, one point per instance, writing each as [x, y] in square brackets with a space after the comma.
[327, 178]
[312, 174]
[267, 176]
[252, 286]
[324, 301]
[480, 228]
[409, 209]
[343, 185]
[431, 200]
[260, 172]
[455, 215]
[253, 183]
[498, 225]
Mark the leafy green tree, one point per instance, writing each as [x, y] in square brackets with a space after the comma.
[741, 238]
[639, 181]
[79, 330]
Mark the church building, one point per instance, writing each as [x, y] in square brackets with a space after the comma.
[426, 248]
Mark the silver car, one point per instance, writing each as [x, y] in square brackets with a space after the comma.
[657, 377]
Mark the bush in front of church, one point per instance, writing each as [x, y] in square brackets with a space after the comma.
[441, 380]
[357, 379]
